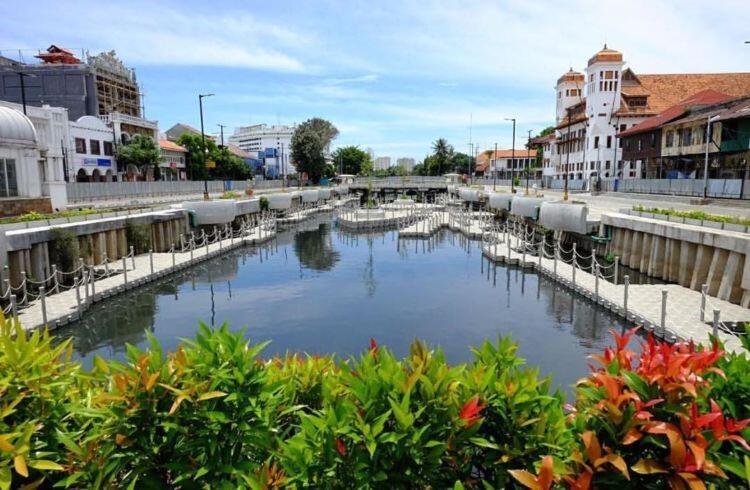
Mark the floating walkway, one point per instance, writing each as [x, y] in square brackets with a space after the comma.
[58, 309]
[670, 311]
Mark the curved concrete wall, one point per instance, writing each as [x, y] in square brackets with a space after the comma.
[324, 193]
[564, 216]
[280, 201]
[211, 212]
[500, 200]
[309, 196]
[526, 206]
[341, 190]
[247, 206]
[467, 194]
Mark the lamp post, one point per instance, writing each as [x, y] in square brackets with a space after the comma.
[528, 161]
[494, 169]
[221, 128]
[709, 120]
[203, 144]
[567, 159]
[22, 76]
[512, 156]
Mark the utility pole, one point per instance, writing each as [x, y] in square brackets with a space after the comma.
[567, 159]
[494, 169]
[705, 163]
[528, 161]
[203, 144]
[513, 157]
[23, 76]
[283, 170]
[221, 127]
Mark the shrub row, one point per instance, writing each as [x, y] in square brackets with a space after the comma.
[701, 215]
[214, 414]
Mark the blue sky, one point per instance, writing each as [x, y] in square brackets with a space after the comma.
[391, 75]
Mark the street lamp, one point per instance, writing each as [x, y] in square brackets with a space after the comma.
[493, 161]
[709, 120]
[203, 143]
[512, 156]
[528, 161]
[23, 76]
[566, 145]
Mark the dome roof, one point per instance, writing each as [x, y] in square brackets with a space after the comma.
[16, 129]
[571, 76]
[607, 55]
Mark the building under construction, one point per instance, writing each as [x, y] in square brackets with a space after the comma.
[99, 86]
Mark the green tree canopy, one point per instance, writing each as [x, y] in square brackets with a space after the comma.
[443, 152]
[141, 151]
[461, 163]
[196, 162]
[309, 144]
[352, 160]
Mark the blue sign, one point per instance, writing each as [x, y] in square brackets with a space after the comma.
[270, 152]
[103, 162]
[89, 161]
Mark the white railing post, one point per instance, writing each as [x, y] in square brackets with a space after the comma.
[25, 289]
[14, 307]
[78, 295]
[151, 260]
[125, 270]
[174, 259]
[557, 255]
[42, 296]
[541, 252]
[573, 263]
[92, 278]
[106, 266]
[717, 314]
[617, 269]
[704, 293]
[626, 282]
[132, 255]
[55, 282]
[596, 281]
[663, 312]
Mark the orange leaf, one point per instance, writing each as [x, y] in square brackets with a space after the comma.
[120, 439]
[648, 467]
[526, 479]
[546, 472]
[616, 461]
[693, 481]
[19, 462]
[677, 450]
[632, 436]
[151, 381]
[591, 443]
[699, 452]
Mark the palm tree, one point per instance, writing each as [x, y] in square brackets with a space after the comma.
[442, 152]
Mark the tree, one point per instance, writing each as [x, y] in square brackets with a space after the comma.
[461, 163]
[540, 150]
[443, 152]
[196, 162]
[141, 152]
[351, 160]
[310, 142]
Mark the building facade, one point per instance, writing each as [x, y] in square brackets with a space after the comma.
[173, 160]
[609, 98]
[503, 164]
[406, 163]
[381, 163]
[91, 151]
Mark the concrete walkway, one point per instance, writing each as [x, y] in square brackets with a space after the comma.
[67, 306]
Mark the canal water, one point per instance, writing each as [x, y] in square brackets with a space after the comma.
[318, 289]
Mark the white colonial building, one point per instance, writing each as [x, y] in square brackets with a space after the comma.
[31, 158]
[92, 148]
[172, 160]
[272, 144]
[381, 163]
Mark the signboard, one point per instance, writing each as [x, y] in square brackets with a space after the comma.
[210, 164]
[97, 162]
[270, 153]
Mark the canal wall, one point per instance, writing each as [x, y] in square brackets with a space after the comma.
[688, 255]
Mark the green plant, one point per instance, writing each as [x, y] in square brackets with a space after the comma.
[230, 195]
[699, 215]
[63, 249]
[263, 203]
[138, 236]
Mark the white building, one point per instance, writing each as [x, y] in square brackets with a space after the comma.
[381, 163]
[31, 158]
[272, 144]
[172, 161]
[510, 163]
[406, 163]
[91, 156]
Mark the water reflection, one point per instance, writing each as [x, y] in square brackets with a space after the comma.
[363, 285]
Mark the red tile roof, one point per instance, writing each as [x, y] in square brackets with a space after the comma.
[666, 90]
[170, 145]
[705, 97]
[237, 151]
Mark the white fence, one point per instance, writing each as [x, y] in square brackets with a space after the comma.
[82, 192]
[726, 188]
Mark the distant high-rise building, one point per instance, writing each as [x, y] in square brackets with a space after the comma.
[406, 163]
[382, 163]
[269, 143]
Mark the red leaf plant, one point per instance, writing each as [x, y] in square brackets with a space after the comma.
[471, 411]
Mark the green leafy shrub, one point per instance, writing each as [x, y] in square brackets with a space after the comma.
[263, 203]
[230, 195]
[214, 414]
[700, 215]
[138, 236]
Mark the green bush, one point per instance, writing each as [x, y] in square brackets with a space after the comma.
[214, 414]
[263, 203]
[138, 236]
[230, 195]
[701, 215]
[63, 249]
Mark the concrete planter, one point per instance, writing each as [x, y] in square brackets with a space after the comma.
[341, 190]
[714, 224]
[500, 201]
[324, 194]
[676, 219]
[691, 221]
[564, 216]
[280, 201]
[211, 212]
[248, 206]
[526, 206]
[469, 195]
[400, 204]
[735, 227]
[664, 217]
[309, 196]
[369, 214]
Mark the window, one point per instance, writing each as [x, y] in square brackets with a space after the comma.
[81, 146]
[596, 142]
[606, 165]
[687, 134]
[108, 148]
[653, 140]
[609, 142]
[94, 146]
[623, 127]
[670, 139]
[8, 183]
